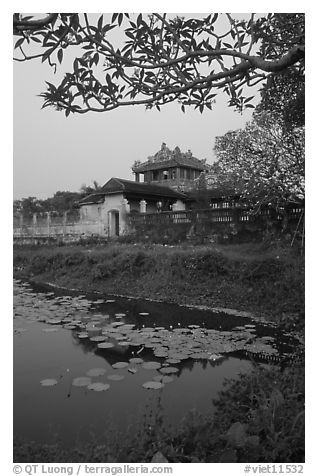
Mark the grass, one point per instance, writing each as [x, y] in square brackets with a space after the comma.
[246, 277]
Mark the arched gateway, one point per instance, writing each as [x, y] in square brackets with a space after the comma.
[113, 222]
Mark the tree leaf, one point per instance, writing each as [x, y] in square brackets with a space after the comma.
[96, 58]
[114, 16]
[100, 23]
[60, 55]
[46, 54]
[19, 43]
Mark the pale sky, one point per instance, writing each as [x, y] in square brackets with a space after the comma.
[52, 152]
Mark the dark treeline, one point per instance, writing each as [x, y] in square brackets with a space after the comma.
[62, 201]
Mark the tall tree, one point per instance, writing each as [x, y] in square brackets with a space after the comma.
[155, 59]
[263, 162]
[88, 189]
[27, 206]
[284, 94]
[284, 97]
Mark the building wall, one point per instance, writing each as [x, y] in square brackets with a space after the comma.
[113, 203]
[104, 214]
[91, 212]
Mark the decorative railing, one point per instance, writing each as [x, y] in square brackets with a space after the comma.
[216, 215]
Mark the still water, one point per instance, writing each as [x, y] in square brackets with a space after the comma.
[64, 343]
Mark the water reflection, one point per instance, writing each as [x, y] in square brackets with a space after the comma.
[49, 344]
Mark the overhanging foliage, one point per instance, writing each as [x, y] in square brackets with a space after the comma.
[126, 59]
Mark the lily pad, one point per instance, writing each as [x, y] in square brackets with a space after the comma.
[169, 370]
[153, 385]
[95, 372]
[136, 360]
[93, 331]
[97, 338]
[149, 345]
[82, 335]
[163, 378]
[105, 345]
[161, 354]
[120, 365]
[151, 365]
[48, 382]
[115, 377]
[118, 337]
[98, 386]
[81, 381]
[173, 361]
[53, 321]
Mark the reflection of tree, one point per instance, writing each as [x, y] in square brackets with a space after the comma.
[190, 363]
[114, 354]
[110, 355]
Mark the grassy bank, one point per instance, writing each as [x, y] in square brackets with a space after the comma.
[244, 277]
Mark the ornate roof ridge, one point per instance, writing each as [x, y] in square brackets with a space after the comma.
[167, 155]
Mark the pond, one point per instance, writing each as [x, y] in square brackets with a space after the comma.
[85, 365]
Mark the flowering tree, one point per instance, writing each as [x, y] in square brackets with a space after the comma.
[263, 162]
[126, 59]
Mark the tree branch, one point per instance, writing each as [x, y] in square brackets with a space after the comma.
[33, 24]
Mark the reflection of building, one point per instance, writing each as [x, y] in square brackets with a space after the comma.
[173, 169]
